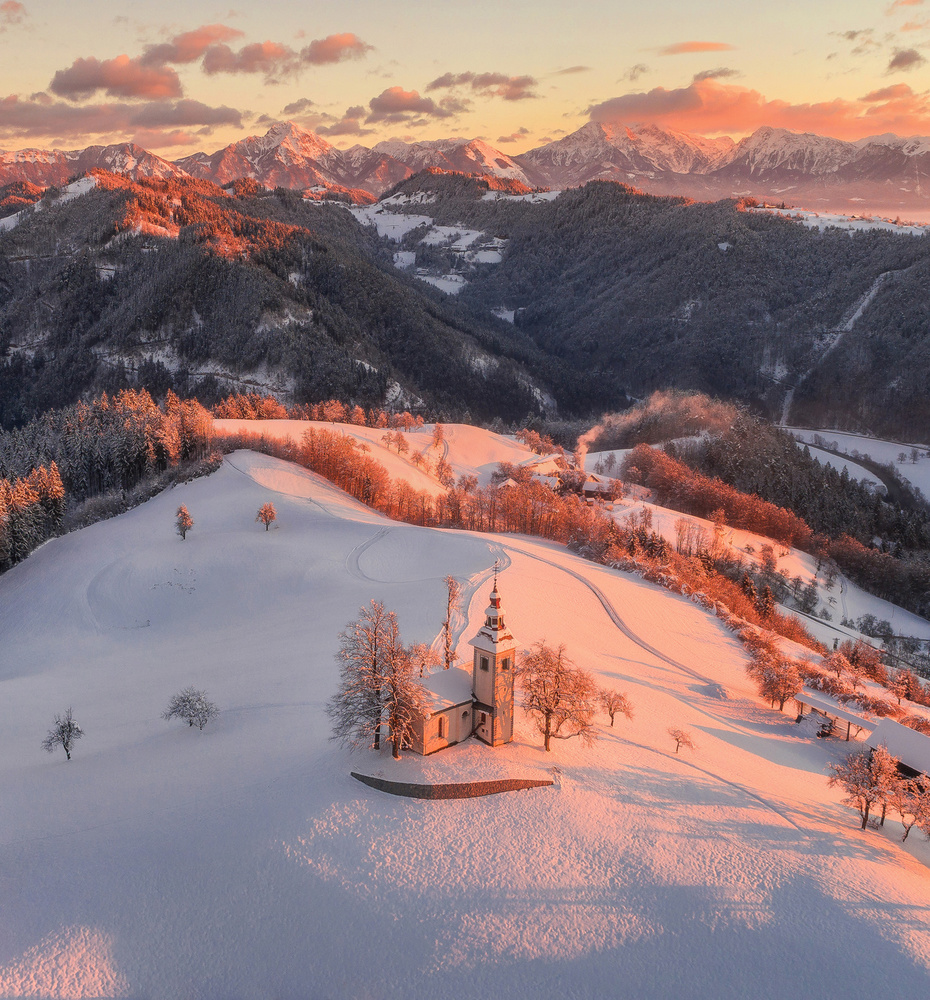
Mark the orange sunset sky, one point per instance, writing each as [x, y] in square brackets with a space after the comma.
[181, 76]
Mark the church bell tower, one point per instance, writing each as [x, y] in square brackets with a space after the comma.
[492, 676]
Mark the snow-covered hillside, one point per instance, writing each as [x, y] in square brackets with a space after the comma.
[244, 861]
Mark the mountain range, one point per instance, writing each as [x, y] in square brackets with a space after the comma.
[878, 173]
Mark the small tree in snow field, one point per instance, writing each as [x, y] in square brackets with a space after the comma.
[266, 514]
[183, 522]
[681, 738]
[63, 734]
[193, 706]
[615, 703]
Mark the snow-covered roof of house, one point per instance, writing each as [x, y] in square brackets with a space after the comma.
[553, 482]
[909, 746]
[597, 484]
[507, 484]
[545, 465]
[447, 688]
[824, 703]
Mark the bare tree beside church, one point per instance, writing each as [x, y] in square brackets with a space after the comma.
[378, 697]
[561, 697]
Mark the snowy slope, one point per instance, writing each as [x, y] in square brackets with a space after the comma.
[243, 861]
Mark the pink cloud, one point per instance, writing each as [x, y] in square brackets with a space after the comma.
[898, 4]
[271, 58]
[11, 12]
[711, 107]
[189, 46]
[43, 117]
[683, 48]
[119, 77]
[334, 48]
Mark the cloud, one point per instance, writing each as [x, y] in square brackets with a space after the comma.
[684, 48]
[510, 88]
[119, 77]
[11, 12]
[572, 69]
[863, 37]
[334, 48]
[271, 58]
[916, 25]
[298, 107]
[64, 121]
[711, 107]
[905, 59]
[514, 136]
[720, 73]
[635, 72]
[189, 46]
[898, 4]
[349, 124]
[277, 61]
[398, 105]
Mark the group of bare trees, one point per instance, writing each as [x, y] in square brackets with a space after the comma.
[183, 522]
[190, 705]
[379, 699]
[872, 778]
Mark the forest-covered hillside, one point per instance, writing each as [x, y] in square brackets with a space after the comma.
[643, 292]
[181, 285]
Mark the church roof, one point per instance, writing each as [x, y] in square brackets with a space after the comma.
[447, 688]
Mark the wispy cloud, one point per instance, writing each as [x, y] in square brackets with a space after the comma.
[510, 88]
[684, 48]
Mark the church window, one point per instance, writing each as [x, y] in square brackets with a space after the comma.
[484, 663]
[505, 663]
[442, 726]
[482, 718]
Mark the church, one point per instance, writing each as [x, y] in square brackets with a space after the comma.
[476, 703]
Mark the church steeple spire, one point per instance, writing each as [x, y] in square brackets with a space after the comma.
[492, 674]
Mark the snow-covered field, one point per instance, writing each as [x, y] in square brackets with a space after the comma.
[852, 223]
[916, 473]
[244, 861]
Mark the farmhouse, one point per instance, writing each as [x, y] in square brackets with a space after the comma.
[478, 702]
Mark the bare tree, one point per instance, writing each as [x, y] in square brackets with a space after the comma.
[64, 733]
[862, 778]
[681, 738]
[910, 799]
[615, 703]
[193, 706]
[453, 603]
[560, 696]
[266, 514]
[356, 709]
[777, 676]
[183, 522]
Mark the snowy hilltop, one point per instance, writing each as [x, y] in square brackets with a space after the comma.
[244, 860]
